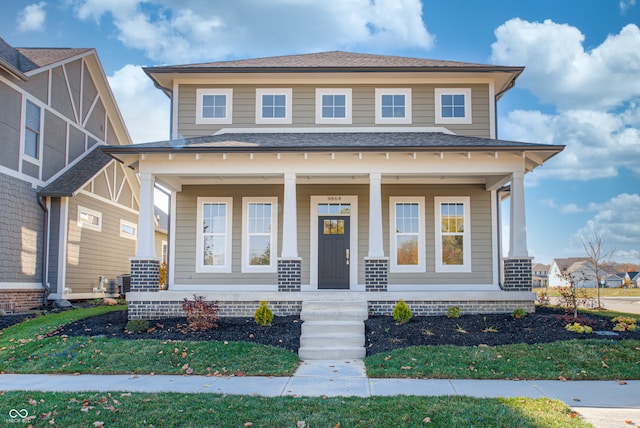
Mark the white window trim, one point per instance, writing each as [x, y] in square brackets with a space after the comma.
[347, 92]
[393, 259]
[467, 119]
[287, 119]
[84, 225]
[200, 266]
[466, 236]
[123, 234]
[407, 108]
[201, 92]
[273, 266]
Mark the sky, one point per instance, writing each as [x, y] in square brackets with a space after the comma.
[580, 88]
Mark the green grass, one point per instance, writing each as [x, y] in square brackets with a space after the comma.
[572, 359]
[198, 410]
[25, 348]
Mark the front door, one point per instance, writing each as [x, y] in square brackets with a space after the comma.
[333, 252]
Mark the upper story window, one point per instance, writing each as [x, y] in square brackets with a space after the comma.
[89, 219]
[213, 239]
[128, 230]
[407, 234]
[333, 106]
[453, 234]
[214, 106]
[273, 105]
[393, 105]
[32, 131]
[453, 105]
[259, 225]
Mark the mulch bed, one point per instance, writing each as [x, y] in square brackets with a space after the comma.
[383, 334]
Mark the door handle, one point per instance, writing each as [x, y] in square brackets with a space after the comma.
[348, 254]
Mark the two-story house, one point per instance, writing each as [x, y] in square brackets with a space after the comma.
[335, 176]
[68, 212]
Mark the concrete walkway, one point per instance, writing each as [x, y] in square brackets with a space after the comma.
[602, 403]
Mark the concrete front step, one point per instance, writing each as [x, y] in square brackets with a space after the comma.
[332, 330]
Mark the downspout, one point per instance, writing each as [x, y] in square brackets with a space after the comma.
[45, 253]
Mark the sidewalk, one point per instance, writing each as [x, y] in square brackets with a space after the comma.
[603, 403]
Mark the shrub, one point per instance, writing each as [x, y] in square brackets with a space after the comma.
[578, 328]
[453, 312]
[519, 313]
[263, 315]
[401, 312]
[137, 326]
[201, 315]
[624, 324]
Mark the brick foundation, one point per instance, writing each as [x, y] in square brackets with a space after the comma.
[166, 309]
[145, 275]
[517, 274]
[289, 274]
[385, 307]
[14, 301]
[376, 274]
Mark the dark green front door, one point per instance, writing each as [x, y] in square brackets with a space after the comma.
[333, 252]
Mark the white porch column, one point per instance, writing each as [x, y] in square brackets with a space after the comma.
[518, 226]
[146, 224]
[289, 218]
[376, 249]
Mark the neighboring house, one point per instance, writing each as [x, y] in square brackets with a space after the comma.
[68, 212]
[579, 269]
[335, 176]
[540, 275]
[613, 280]
[634, 278]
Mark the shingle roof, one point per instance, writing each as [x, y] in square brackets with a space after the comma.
[331, 60]
[78, 175]
[333, 141]
[23, 60]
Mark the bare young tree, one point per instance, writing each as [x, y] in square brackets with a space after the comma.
[593, 244]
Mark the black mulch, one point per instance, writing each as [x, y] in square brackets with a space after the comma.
[382, 332]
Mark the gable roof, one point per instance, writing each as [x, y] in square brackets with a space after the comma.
[75, 177]
[19, 61]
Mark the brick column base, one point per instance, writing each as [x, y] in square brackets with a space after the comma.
[517, 274]
[289, 274]
[376, 273]
[145, 275]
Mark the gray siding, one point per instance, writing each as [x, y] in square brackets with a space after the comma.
[91, 253]
[423, 108]
[481, 231]
[55, 151]
[9, 126]
[21, 228]
[60, 100]
[38, 86]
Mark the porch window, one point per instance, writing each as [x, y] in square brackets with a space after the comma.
[213, 240]
[273, 105]
[453, 234]
[407, 234]
[89, 219]
[393, 106]
[214, 106]
[259, 230]
[128, 230]
[333, 106]
[453, 105]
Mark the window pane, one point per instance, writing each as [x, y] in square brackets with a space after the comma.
[407, 220]
[33, 116]
[87, 218]
[279, 112]
[259, 250]
[458, 100]
[387, 111]
[259, 218]
[340, 112]
[407, 250]
[452, 253]
[214, 252]
[458, 111]
[214, 218]
[129, 230]
[31, 143]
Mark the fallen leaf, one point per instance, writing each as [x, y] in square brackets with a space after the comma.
[184, 354]
[248, 424]
[621, 382]
[98, 424]
[562, 378]
[240, 373]
[405, 368]
[427, 420]
[32, 401]
[628, 422]
[337, 425]
[605, 365]
[301, 424]
[576, 399]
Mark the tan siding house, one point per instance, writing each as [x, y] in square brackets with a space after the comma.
[339, 177]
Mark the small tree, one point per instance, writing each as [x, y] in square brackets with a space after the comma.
[571, 297]
[593, 244]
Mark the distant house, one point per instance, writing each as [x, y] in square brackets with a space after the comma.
[634, 277]
[579, 269]
[540, 275]
[335, 176]
[68, 212]
[613, 280]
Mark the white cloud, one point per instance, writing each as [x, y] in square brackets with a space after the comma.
[179, 31]
[618, 220]
[626, 5]
[32, 17]
[570, 209]
[560, 71]
[144, 108]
